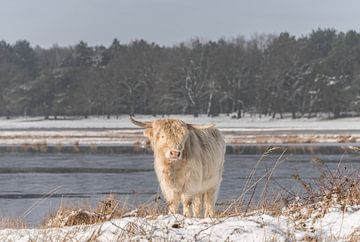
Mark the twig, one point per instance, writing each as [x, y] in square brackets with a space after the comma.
[45, 196]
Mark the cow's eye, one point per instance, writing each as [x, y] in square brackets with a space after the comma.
[162, 136]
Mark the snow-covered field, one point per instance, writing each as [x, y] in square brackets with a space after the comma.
[248, 130]
[334, 226]
[223, 122]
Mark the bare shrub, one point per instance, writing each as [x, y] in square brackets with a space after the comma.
[338, 188]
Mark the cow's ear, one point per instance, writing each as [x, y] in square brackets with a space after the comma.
[148, 133]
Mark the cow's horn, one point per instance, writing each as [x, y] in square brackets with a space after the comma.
[202, 126]
[140, 124]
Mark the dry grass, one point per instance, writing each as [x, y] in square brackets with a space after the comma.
[332, 189]
[12, 223]
[346, 139]
[59, 147]
[93, 148]
[106, 210]
[69, 215]
[245, 204]
[25, 147]
[339, 189]
[41, 147]
[76, 146]
[355, 236]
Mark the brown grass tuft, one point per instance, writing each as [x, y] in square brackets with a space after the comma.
[93, 148]
[106, 210]
[12, 223]
[346, 139]
[76, 146]
[355, 236]
[41, 147]
[59, 147]
[25, 147]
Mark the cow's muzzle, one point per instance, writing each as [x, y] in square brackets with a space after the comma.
[174, 154]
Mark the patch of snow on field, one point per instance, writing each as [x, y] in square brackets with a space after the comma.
[120, 131]
[223, 122]
[260, 227]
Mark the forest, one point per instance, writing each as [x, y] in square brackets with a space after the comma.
[267, 74]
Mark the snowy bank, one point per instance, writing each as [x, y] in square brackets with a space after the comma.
[334, 226]
[250, 123]
[120, 131]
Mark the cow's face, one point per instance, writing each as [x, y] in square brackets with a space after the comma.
[168, 138]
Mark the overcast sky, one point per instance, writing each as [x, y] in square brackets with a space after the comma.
[167, 22]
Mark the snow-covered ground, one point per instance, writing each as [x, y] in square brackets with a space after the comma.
[334, 226]
[224, 122]
[115, 131]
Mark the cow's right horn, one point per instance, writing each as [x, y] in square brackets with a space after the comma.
[141, 124]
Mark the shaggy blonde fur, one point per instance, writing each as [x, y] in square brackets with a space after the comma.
[194, 178]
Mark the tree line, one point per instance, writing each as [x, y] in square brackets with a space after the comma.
[264, 75]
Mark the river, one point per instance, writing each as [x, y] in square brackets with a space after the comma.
[32, 185]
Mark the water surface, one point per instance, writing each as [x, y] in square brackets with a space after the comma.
[33, 185]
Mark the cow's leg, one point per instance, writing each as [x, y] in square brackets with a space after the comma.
[186, 201]
[209, 202]
[172, 197]
[196, 205]
[173, 201]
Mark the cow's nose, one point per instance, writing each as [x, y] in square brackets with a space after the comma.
[175, 153]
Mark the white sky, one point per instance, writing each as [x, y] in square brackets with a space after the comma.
[167, 22]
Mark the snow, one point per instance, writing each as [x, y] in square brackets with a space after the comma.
[120, 131]
[223, 122]
[335, 226]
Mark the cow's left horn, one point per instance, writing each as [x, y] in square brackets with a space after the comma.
[141, 124]
[202, 126]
